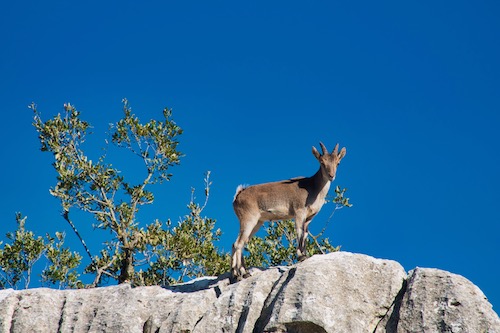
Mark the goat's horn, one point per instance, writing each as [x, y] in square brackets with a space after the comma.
[323, 148]
[335, 151]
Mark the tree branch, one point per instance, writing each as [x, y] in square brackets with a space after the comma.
[66, 217]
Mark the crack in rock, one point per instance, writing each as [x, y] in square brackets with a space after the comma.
[270, 305]
[61, 319]
[391, 322]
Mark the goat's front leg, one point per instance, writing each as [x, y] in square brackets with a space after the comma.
[301, 228]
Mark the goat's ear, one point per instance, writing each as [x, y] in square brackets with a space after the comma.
[316, 153]
[342, 153]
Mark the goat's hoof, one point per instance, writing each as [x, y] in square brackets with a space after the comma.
[302, 258]
[234, 279]
[246, 275]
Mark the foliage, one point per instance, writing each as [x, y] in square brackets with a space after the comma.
[185, 250]
[18, 257]
[63, 264]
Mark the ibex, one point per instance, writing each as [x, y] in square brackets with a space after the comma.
[299, 198]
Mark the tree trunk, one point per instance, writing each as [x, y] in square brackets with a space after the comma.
[127, 266]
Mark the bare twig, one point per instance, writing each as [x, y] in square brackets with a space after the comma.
[207, 189]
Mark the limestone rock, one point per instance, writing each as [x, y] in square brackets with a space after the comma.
[344, 292]
[439, 301]
[109, 309]
[338, 292]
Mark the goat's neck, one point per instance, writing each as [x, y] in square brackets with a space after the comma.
[321, 182]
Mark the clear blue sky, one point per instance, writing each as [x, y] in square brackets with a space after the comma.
[411, 89]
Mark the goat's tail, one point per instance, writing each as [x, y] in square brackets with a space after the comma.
[238, 191]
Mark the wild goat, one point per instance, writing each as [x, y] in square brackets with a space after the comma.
[300, 198]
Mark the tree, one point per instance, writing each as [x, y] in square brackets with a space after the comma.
[158, 253]
[99, 189]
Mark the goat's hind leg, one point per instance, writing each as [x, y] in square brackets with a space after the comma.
[238, 267]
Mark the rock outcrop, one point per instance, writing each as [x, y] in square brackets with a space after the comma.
[338, 292]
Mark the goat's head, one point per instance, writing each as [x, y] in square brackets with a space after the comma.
[327, 161]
